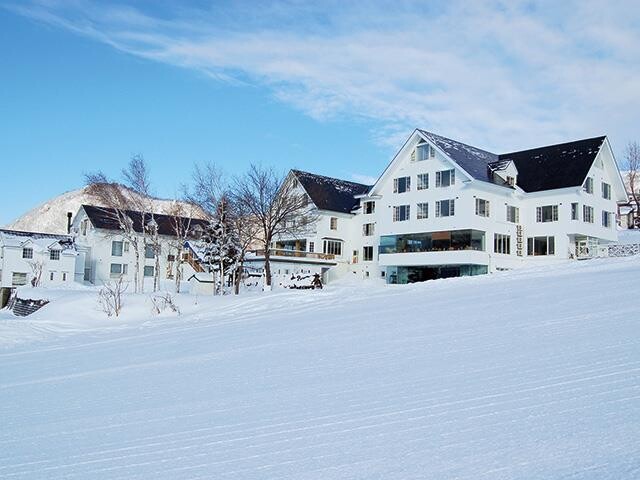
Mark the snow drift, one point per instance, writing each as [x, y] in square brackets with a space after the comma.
[520, 375]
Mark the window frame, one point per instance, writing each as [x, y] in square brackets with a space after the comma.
[550, 246]
[588, 214]
[422, 210]
[404, 181]
[27, 253]
[114, 249]
[365, 250]
[516, 214]
[422, 182]
[588, 185]
[54, 254]
[483, 208]
[451, 175]
[332, 247]
[333, 223]
[368, 229]
[540, 217]
[606, 191]
[401, 213]
[502, 243]
[372, 207]
[451, 210]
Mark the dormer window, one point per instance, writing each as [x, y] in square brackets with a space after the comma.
[511, 181]
[54, 254]
[27, 253]
[588, 185]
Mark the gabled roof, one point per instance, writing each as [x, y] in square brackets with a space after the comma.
[44, 241]
[104, 218]
[555, 166]
[473, 160]
[330, 193]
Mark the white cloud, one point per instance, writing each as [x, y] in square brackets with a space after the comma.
[500, 75]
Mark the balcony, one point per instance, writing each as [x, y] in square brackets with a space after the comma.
[295, 254]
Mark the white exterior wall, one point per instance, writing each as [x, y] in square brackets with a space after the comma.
[97, 245]
[11, 261]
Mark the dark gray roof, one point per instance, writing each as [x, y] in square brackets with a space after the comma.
[331, 193]
[473, 160]
[555, 166]
[544, 168]
[105, 218]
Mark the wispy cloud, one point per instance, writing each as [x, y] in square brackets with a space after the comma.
[502, 75]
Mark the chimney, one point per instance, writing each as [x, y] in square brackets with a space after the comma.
[69, 215]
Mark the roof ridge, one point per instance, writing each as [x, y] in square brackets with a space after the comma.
[296, 171]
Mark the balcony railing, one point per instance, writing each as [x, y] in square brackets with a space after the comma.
[276, 252]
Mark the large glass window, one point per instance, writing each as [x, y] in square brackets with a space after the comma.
[433, 241]
[401, 185]
[482, 207]
[445, 208]
[116, 248]
[401, 213]
[548, 213]
[445, 178]
[513, 214]
[540, 246]
[501, 243]
[423, 181]
[332, 247]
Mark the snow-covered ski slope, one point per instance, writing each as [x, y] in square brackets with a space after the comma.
[522, 375]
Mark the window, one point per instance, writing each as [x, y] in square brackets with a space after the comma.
[445, 208]
[574, 211]
[402, 184]
[311, 247]
[83, 227]
[333, 223]
[27, 253]
[332, 247]
[548, 213]
[513, 214]
[588, 185]
[148, 270]
[126, 247]
[367, 254]
[501, 243]
[64, 276]
[116, 248]
[18, 279]
[540, 246]
[117, 269]
[148, 251]
[432, 241]
[54, 254]
[482, 207]
[606, 219]
[606, 191]
[445, 178]
[369, 207]
[401, 213]
[587, 214]
[424, 152]
[423, 181]
[423, 211]
[171, 258]
[367, 229]
[511, 181]
[51, 274]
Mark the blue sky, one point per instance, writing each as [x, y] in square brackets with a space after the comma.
[330, 87]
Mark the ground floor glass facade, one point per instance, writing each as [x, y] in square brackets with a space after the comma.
[422, 273]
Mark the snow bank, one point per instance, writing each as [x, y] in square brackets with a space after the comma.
[520, 375]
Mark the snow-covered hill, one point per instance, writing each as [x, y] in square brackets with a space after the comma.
[51, 216]
[521, 375]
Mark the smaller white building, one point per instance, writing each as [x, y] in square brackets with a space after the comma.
[37, 258]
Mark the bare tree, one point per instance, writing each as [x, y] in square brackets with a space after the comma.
[110, 297]
[136, 176]
[247, 229]
[279, 206]
[632, 167]
[181, 214]
[117, 208]
[208, 187]
[36, 268]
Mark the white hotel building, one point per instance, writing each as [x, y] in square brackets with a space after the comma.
[443, 209]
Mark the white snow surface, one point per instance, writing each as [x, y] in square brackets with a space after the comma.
[532, 374]
[51, 216]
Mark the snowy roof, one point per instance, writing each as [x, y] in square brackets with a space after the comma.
[41, 241]
[102, 217]
[329, 193]
[474, 161]
[555, 166]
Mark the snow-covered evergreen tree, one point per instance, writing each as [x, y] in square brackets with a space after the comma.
[221, 249]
